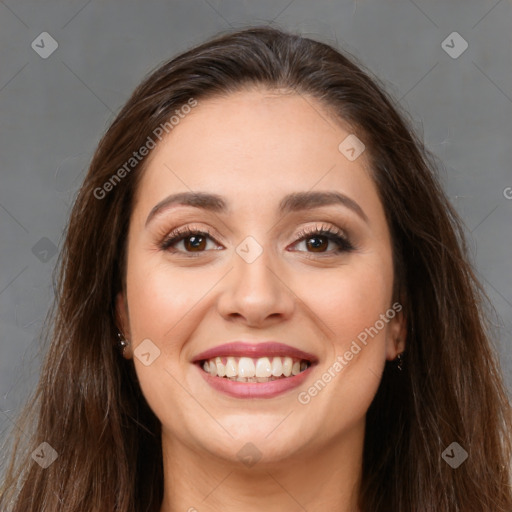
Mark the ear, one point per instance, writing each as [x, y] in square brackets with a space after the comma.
[123, 322]
[397, 332]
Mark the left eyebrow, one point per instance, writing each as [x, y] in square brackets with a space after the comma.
[308, 200]
[293, 202]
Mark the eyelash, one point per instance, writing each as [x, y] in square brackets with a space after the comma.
[334, 235]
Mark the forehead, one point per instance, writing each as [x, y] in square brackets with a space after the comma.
[255, 147]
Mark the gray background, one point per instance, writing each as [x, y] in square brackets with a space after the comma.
[54, 110]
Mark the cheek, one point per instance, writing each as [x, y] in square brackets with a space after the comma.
[351, 299]
[351, 304]
[162, 307]
[161, 297]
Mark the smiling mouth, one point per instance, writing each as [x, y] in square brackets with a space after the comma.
[247, 369]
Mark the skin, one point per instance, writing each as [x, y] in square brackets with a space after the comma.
[253, 148]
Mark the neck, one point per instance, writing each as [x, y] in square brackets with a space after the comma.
[316, 480]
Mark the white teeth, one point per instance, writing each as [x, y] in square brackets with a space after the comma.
[263, 367]
[231, 367]
[277, 367]
[221, 369]
[246, 368]
[287, 366]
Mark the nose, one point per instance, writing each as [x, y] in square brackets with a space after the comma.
[256, 293]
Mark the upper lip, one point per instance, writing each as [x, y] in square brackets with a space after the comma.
[256, 350]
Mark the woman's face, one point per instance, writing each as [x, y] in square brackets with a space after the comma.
[254, 271]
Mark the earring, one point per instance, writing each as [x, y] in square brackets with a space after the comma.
[400, 362]
[122, 344]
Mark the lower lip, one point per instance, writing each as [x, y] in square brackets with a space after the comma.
[255, 389]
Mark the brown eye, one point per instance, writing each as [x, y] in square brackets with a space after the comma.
[319, 245]
[317, 241]
[193, 241]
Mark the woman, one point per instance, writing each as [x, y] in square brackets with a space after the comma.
[264, 302]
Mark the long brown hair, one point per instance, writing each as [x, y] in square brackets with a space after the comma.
[88, 405]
